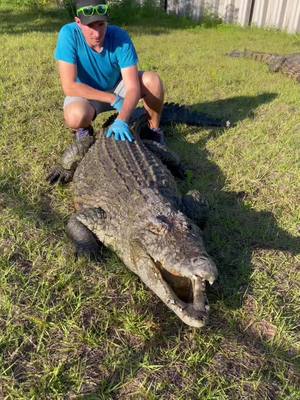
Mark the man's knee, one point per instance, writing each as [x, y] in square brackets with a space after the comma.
[78, 115]
[152, 81]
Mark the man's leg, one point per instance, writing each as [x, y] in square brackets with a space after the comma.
[79, 114]
[152, 92]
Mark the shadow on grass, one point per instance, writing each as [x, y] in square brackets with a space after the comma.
[235, 229]
[153, 25]
[23, 21]
[40, 213]
[19, 21]
[234, 109]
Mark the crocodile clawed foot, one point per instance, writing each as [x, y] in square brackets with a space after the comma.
[90, 252]
[59, 175]
[84, 241]
[196, 207]
[181, 171]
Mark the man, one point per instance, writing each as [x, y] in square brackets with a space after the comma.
[98, 70]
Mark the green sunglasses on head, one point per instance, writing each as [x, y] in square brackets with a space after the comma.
[88, 11]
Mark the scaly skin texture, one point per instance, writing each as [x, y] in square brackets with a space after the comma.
[287, 64]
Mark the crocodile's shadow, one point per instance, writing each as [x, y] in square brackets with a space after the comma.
[235, 229]
[233, 109]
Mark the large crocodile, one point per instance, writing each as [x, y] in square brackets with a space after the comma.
[127, 199]
[287, 64]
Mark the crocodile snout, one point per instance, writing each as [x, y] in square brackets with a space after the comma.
[187, 296]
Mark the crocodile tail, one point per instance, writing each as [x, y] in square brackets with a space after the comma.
[237, 54]
[109, 120]
[267, 58]
[175, 113]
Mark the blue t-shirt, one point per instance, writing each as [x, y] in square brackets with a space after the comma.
[101, 71]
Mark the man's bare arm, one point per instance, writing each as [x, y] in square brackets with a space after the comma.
[133, 92]
[68, 75]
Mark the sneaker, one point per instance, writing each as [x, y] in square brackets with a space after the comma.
[156, 134]
[82, 133]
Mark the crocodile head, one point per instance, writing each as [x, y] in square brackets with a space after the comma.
[170, 258]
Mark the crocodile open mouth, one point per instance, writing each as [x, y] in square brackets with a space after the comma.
[188, 294]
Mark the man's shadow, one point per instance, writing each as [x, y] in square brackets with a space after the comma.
[22, 21]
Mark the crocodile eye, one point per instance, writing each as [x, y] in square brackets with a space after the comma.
[158, 226]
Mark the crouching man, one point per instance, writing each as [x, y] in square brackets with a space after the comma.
[97, 64]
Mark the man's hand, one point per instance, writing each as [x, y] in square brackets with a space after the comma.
[118, 103]
[120, 130]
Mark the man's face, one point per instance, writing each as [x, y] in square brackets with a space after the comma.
[93, 33]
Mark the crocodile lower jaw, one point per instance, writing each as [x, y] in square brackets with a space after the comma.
[187, 297]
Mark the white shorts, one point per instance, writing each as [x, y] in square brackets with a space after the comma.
[99, 106]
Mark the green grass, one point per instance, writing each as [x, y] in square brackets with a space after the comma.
[85, 330]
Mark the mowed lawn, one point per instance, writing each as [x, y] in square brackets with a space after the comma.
[76, 329]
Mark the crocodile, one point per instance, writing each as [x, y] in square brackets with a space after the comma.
[287, 64]
[126, 198]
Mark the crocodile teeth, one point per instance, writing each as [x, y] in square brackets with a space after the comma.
[199, 297]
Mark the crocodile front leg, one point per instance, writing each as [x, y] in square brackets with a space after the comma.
[84, 241]
[167, 157]
[276, 66]
[71, 157]
[196, 207]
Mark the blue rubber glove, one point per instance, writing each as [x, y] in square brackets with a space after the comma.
[118, 104]
[120, 130]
